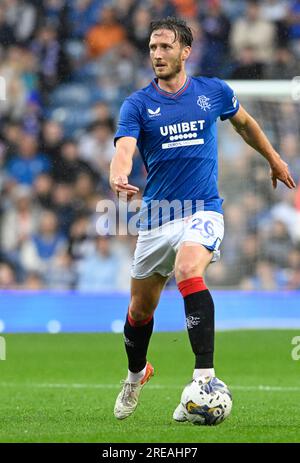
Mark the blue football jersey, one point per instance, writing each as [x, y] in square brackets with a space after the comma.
[177, 138]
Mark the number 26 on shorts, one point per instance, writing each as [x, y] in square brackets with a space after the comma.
[206, 228]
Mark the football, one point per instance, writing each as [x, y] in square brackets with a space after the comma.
[206, 401]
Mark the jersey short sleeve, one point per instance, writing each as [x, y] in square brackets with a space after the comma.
[129, 124]
[230, 102]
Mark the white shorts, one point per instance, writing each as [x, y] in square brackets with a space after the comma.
[156, 249]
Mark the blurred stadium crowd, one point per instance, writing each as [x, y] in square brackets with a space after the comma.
[68, 65]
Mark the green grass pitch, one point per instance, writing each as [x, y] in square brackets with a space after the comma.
[62, 388]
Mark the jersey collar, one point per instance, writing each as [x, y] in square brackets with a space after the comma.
[169, 94]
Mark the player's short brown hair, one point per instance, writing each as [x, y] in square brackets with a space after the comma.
[180, 28]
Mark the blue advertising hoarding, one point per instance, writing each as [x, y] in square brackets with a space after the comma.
[45, 311]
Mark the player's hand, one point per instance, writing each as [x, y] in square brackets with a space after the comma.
[280, 171]
[122, 188]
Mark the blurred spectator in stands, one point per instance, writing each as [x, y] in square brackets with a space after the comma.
[248, 255]
[99, 270]
[42, 189]
[193, 64]
[256, 208]
[297, 198]
[112, 89]
[53, 66]
[28, 162]
[124, 247]
[106, 34]
[68, 166]
[56, 12]
[215, 29]
[38, 252]
[284, 66]
[29, 71]
[285, 211]
[234, 164]
[84, 190]
[247, 67]
[264, 193]
[288, 115]
[185, 8]
[33, 281]
[7, 37]
[121, 63]
[218, 276]
[277, 244]
[32, 115]
[22, 17]
[97, 147]
[266, 277]
[235, 220]
[289, 149]
[101, 112]
[80, 241]
[83, 14]
[19, 221]
[253, 31]
[63, 206]
[293, 21]
[11, 70]
[234, 9]
[11, 133]
[51, 138]
[2, 170]
[7, 276]
[125, 10]
[293, 270]
[138, 32]
[61, 273]
[159, 9]
[276, 11]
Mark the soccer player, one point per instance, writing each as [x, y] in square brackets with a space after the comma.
[173, 123]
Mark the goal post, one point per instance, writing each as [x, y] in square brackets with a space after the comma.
[268, 89]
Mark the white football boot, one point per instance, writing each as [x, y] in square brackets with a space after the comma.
[179, 413]
[127, 400]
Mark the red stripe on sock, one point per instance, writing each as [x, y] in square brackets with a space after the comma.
[136, 323]
[191, 285]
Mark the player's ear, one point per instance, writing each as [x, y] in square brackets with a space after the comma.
[186, 53]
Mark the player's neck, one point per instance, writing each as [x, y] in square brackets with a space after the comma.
[173, 85]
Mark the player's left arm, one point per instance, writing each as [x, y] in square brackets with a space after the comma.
[250, 131]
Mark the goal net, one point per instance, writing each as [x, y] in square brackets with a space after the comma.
[261, 246]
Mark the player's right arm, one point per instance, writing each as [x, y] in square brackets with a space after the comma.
[121, 166]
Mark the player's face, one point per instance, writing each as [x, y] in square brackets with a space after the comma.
[167, 56]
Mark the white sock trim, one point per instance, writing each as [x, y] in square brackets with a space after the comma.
[203, 372]
[135, 377]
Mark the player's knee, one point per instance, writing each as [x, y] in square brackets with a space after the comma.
[185, 270]
[140, 310]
